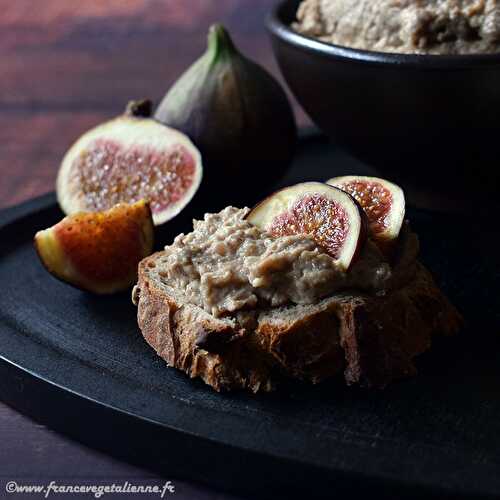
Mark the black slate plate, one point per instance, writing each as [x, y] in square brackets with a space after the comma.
[78, 363]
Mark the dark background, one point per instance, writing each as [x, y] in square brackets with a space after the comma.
[65, 66]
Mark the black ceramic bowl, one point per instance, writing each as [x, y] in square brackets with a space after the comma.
[412, 115]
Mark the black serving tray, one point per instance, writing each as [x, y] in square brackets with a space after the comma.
[79, 364]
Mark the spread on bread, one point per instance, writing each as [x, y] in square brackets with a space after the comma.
[250, 296]
[226, 264]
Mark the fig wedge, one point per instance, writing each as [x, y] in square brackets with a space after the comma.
[382, 201]
[98, 251]
[331, 217]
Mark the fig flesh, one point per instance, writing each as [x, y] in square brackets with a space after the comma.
[237, 114]
[331, 217]
[382, 201]
[98, 251]
[127, 159]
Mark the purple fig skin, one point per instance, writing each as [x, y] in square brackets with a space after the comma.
[238, 116]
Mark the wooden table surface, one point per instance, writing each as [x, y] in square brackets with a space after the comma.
[66, 66]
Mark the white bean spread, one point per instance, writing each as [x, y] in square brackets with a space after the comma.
[226, 265]
[405, 26]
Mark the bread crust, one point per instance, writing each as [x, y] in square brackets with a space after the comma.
[370, 339]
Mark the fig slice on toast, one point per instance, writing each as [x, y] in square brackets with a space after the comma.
[331, 217]
[98, 251]
[382, 201]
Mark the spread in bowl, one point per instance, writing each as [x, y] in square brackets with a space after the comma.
[404, 26]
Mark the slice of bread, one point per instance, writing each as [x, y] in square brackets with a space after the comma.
[370, 339]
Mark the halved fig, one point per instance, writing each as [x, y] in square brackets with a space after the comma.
[127, 159]
[98, 251]
[329, 216]
[382, 201]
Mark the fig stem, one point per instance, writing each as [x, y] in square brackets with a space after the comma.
[220, 43]
[142, 108]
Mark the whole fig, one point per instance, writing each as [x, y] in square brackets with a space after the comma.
[239, 117]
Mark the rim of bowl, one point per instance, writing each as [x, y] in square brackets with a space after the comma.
[279, 20]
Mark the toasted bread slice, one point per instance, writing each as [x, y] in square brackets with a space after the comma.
[370, 339]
